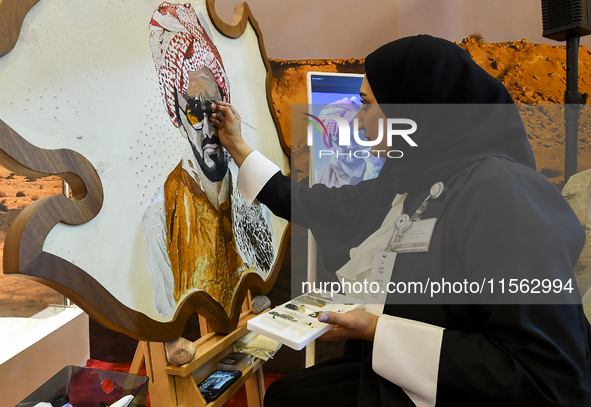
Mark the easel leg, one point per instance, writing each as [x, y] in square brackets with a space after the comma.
[138, 359]
[255, 389]
[136, 364]
[162, 393]
[203, 327]
[162, 389]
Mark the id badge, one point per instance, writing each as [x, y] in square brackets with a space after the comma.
[381, 272]
[415, 239]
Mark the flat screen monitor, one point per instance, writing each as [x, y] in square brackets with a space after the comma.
[331, 164]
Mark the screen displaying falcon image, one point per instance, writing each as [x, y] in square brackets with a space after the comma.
[199, 231]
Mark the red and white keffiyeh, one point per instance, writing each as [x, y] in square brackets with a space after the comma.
[179, 45]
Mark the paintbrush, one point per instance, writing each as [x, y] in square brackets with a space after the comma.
[235, 116]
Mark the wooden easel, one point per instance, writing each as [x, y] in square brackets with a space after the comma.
[176, 386]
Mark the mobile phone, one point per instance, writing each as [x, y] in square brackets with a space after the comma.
[217, 382]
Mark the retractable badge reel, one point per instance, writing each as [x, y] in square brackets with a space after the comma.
[419, 237]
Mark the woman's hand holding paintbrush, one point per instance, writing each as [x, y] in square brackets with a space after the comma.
[227, 121]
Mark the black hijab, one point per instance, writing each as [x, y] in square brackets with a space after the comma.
[463, 115]
[475, 114]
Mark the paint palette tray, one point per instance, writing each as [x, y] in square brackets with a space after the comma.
[295, 323]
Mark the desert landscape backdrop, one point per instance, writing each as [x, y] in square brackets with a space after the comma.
[534, 74]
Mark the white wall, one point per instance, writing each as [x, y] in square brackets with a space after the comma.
[35, 357]
[353, 28]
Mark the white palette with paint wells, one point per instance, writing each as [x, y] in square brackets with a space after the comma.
[295, 323]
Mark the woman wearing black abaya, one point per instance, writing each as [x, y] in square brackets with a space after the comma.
[498, 215]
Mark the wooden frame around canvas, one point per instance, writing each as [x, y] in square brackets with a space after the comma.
[23, 250]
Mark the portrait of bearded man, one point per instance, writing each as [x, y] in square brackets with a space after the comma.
[199, 232]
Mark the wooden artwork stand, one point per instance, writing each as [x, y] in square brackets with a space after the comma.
[173, 385]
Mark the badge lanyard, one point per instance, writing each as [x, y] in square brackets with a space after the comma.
[417, 241]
